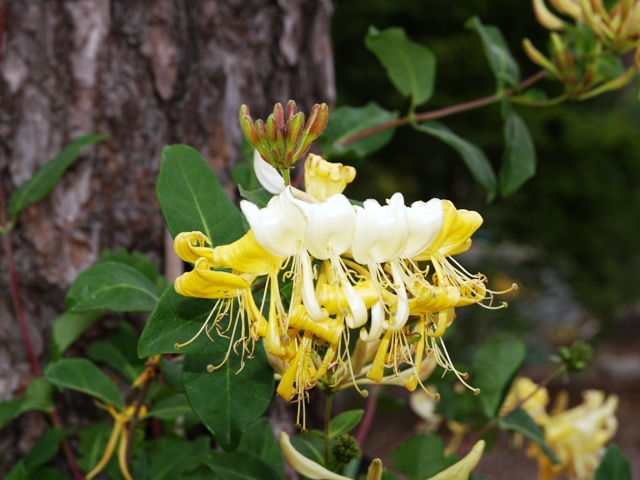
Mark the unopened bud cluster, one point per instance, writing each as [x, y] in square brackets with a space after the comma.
[284, 138]
[346, 448]
[577, 356]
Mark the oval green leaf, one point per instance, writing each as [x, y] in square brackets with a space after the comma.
[67, 328]
[614, 465]
[411, 67]
[240, 466]
[495, 364]
[176, 320]
[258, 439]
[420, 457]
[114, 286]
[228, 400]
[43, 181]
[84, 376]
[192, 198]
[519, 159]
[344, 422]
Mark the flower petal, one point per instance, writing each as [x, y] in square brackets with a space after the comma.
[323, 179]
[425, 222]
[302, 464]
[279, 227]
[267, 175]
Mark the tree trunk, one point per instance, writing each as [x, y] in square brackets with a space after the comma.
[147, 73]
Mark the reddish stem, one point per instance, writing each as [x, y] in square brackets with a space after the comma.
[443, 112]
[369, 413]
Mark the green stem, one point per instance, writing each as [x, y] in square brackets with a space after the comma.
[443, 112]
[287, 177]
[327, 421]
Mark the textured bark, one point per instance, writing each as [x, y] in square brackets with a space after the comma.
[147, 73]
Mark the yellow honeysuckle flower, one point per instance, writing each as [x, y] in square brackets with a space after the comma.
[462, 469]
[304, 465]
[323, 179]
[151, 368]
[119, 434]
[577, 436]
[536, 402]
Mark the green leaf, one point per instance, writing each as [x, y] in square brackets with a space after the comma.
[519, 421]
[108, 353]
[114, 286]
[410, 66]
[43, 181]
[82, 375]
[502, 63]
[67, 328]
[614, 465]
[192, 198]
[519, 159]
[258, 439]
[137, 260]
[93, 441]
[9, 410]
[174, 458]
[347, 121]
[172, 372]
[39, 396]
[228, 400]
[420, 457]
[344, 422]
[46, 473]
[45, 448]
[311, 446]
[243, 174]
[240, 466]
[18, 472]
[259, 196]
[171, 408]
[495, 364]
[474, 158]
[176, 320]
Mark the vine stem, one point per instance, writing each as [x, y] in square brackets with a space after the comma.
[327, 422]
[134, 419]
[443, 112]
[489, 425]
[24, 329]
[369, 413]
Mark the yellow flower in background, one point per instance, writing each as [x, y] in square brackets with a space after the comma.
[577, 436]
[536, 399]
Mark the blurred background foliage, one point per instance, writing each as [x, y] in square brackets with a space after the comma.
[578, 217]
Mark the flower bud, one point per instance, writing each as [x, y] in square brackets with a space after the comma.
[346, 448]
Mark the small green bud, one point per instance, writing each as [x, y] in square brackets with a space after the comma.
[346, 448]
[291, 109]
[577, 356]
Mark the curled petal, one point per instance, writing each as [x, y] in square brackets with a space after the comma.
[202, 282]
[302, 464]
[377, 321]
[279, 227]
[381, 231]
[190, 246]
[323, 179]
[330, 330]
[267, 175]
[455, 235]
[245, 255]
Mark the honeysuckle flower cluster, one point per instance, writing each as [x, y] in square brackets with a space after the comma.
[385, 273]
[576, 435]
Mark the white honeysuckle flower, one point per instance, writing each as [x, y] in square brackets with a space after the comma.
[267, 175]
[381, 231]
[381, 236]
[304, 465]
[329, 233]
[280, 228]
[424, 220]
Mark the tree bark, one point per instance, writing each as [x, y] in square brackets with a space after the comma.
[148, 73]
